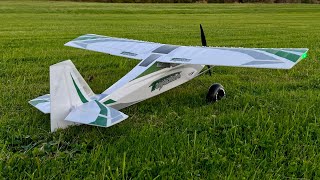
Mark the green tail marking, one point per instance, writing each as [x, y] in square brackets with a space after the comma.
[81, 96]
[100, 121]
[35, 102]
[109, 101]
[103, 110]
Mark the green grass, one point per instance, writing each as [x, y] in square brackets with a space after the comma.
[266, 127]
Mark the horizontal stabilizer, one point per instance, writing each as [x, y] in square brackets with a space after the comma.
[42, 103]
[95, 113]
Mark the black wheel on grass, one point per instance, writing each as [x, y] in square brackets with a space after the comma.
[216, 92]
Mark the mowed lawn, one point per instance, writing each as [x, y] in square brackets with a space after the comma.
[267, 126]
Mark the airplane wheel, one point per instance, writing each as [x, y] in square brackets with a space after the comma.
[215, 93]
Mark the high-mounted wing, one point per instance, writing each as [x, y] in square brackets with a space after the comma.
[276, 58]
[115, 46]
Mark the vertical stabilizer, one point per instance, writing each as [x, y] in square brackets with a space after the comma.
[68, 90]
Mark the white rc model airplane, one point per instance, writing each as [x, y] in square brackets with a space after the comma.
[161, 68]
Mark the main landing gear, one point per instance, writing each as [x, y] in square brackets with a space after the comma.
[215, 93]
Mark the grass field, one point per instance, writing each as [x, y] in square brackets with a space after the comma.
[267, 127]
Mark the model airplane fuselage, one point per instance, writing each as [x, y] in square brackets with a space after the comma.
[164, 77]
[162, 67]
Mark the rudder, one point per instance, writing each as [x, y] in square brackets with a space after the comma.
[68, 90]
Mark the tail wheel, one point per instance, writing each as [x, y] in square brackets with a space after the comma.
[216, 92]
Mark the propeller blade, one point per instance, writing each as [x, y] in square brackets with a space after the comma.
[203, 37]
[204, 43]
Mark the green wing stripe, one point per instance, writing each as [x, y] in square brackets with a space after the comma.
[296, 50]
[86, 37]
[289, 56]
[81, 96]
[100, 121]
[103, 110]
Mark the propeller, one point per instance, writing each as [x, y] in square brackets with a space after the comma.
[204, 43]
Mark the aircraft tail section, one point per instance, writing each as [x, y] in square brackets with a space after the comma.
[68, 90]
[71, 101]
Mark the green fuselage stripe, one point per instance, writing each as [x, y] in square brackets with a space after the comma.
[150, 70]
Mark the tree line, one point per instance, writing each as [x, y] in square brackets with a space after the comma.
[203, 1]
